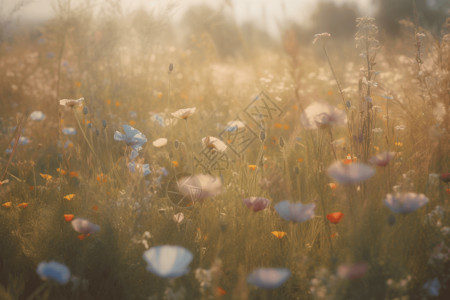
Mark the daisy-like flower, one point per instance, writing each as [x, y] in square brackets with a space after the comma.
[214, 143]
[37, 115]
[71, 102]
[382, 159]
[321, 115]
[132, 137]
[404, 203]
[54, 271]
[256, 203]
[350, 173]
[161, 142]
[269, 278]
[184, 113]
[168, 261]
[295, 212]
[235, 125]
[85, 227]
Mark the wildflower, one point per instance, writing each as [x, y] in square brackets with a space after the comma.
[4, 182]
[7, 204]
[432, 286]
[268, 278]
[175, 163]
[161, 142]
[102, 178]
[71, 102]
[214, 143]
[178, 218]
[279, 234]
[377, 130]
[353, 271]
[168, 261]
[22, 205]
[84, 226]
[332, 185]
[400, 127]
[184, 113]
[221, 291]
[37, 115]
[68, 217]
[46, 176]
[348, 174]
[295, 212]
[382, 159]
[256, 203]
[73, 174]
[144, 169]
[54, 271]
[252, 167]
[405, 203]
[235, 125]
[445, 177]
[69, 131]
[61, 171]
[69, 197]
[321, 36]
[335, 217]
[132, 137]
[321, 115]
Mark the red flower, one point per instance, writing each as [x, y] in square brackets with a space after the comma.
[335, 217]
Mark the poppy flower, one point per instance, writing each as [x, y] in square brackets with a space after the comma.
[221, 291]
[73, 174]
[22, 205]
[279, 234]
[320, 115]
[295, 212]
[95, 207]
[69, 196]
[175, 163]
[332, 185]
[61, 171]
[184, 113]
[214, 143]
[7, 204]
[102, 178]
[353, 271]
[46, 176]
[132, 137]
[37, 115]
[252, 167]
[71, 102]
[82, 236]
[68, 217]
[268, 278]
[54, 271]
[348, 174]
[256, 203]
[404, 203]
[335, 217]
[168, 261]
[382, 159]
[161, 142]
[84, 226]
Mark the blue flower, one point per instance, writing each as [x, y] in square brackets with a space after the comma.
[296, 212]
[22, 141]
[268, 278]
[168, 261]
[54, 271]
[143, 168]
[37, 115]
[132, 137]
[69, 131]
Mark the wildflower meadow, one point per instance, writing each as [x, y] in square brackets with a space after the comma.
[141, 158]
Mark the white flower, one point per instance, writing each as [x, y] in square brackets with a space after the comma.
[214, 143]
[319, 115]
[161, 142]
[352, 173]
[295, 212]
[71, 102]
[37, 116]
[234, 125]
[184, 113]
[54, 271]
[168, 261]
[320, 36]
[405, 203]
[84, 226]
[268, 278]
[178, 218]
[400, 127]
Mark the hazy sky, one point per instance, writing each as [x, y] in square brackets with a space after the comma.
[272, 10]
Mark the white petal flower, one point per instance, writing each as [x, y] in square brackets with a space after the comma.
[214, 143]
[184, 113]
[404, 203]
[269, 278]
[37, 116]
[295, 212]
[161, 142]
[84, 226]
[352, 173]
[319, 115]
[71, 102]
[168, 261]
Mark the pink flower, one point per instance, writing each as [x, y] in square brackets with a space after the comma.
[256, 203]
[382, 159]
[320, 115]
[353, 271]
[84, 226]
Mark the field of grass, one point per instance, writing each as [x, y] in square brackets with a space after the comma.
[300, 122]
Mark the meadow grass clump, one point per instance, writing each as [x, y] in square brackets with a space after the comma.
[140, 168]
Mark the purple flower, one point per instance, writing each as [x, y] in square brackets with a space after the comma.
[256, 203]
[295, 212]
[54, 271]
[84, 226]
[347, 174]
[268, 278]
[405, 203]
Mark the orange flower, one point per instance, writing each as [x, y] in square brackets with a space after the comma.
[68, 217]
[286, 127]
[108, 101]
[117, 103]
[252, 167]
[279, 234]
[73, 174]
[221, 291]
[335, 217]
[132, 122]
[300, 159]
[277, 125]
[31, 187]
[7, 204]
[175, 163]
[69, 197]
[83, 236]
[102, 178]
[78, 84]
[22, 205]
[46, 176]
[95, 208]
[332, 185]
[334, 235]
[61, 171]
[348, 159]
